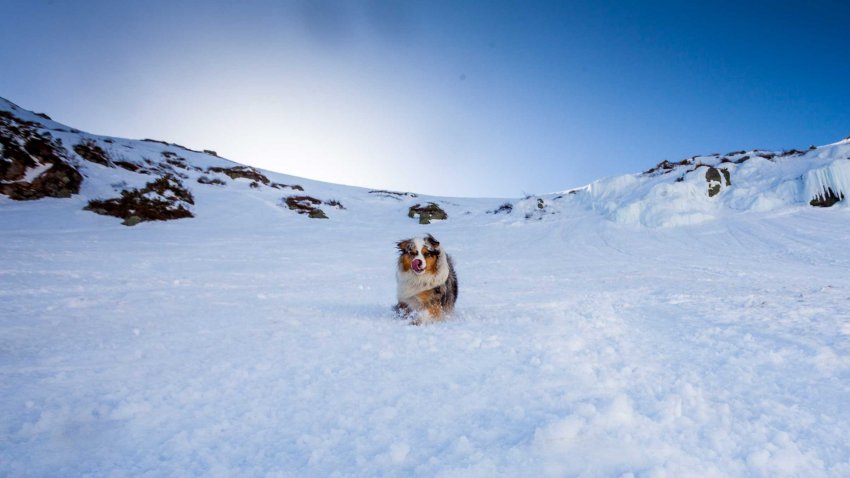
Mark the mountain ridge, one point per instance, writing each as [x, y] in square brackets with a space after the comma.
[148, 179]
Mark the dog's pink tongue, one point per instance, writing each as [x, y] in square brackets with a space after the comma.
[417, 264]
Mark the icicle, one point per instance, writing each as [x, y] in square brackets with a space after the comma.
[832, 180]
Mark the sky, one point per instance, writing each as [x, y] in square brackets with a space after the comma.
[453, 98]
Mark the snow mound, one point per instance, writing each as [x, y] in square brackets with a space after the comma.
[704, 188]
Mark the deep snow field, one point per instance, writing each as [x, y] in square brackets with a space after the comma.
[636, 327]
[260, 343]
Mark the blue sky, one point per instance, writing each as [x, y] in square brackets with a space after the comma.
[452, 98]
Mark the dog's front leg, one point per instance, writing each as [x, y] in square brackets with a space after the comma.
[402, 310]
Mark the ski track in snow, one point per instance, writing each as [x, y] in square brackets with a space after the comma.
[580, 347]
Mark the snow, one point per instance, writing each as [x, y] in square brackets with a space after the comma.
[616, 331]
[590, 348]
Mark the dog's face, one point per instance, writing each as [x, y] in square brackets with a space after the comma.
[419, 255]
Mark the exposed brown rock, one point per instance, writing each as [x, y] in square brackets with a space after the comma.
[666, 166]
[828, 199]
[90, 151]
[237, 172]
[23, 148]
[507, 208]
[305, 205]
[294, 187]
[160, 200]
[715, 178]
[427, 212]
[213, 181]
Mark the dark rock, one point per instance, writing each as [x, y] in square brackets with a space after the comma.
[666, 166]
[170, 186]
[713, 189]
[715, 178]
[294, 187]
[506, 208]
[24, 148]
[427, 212]
[177, 162]
[213, 181]
[156, 141]
[60, 181]
[127, 165]
[172, 166]
[305, 205]
[90, 151]
[160, 200]
[828, 199]
[237, 172]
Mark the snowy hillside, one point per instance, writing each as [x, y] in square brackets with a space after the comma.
[702, 188]
[685, 321]
[694, 190]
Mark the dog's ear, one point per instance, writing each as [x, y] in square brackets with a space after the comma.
[404, 245]
[433, 242]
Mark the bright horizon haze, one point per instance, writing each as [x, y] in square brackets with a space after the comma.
[490, 99]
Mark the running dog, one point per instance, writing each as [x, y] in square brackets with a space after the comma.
[427, 283]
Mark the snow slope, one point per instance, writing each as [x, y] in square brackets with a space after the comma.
[254, 341]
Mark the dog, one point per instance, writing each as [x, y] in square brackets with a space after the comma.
[427, 283]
